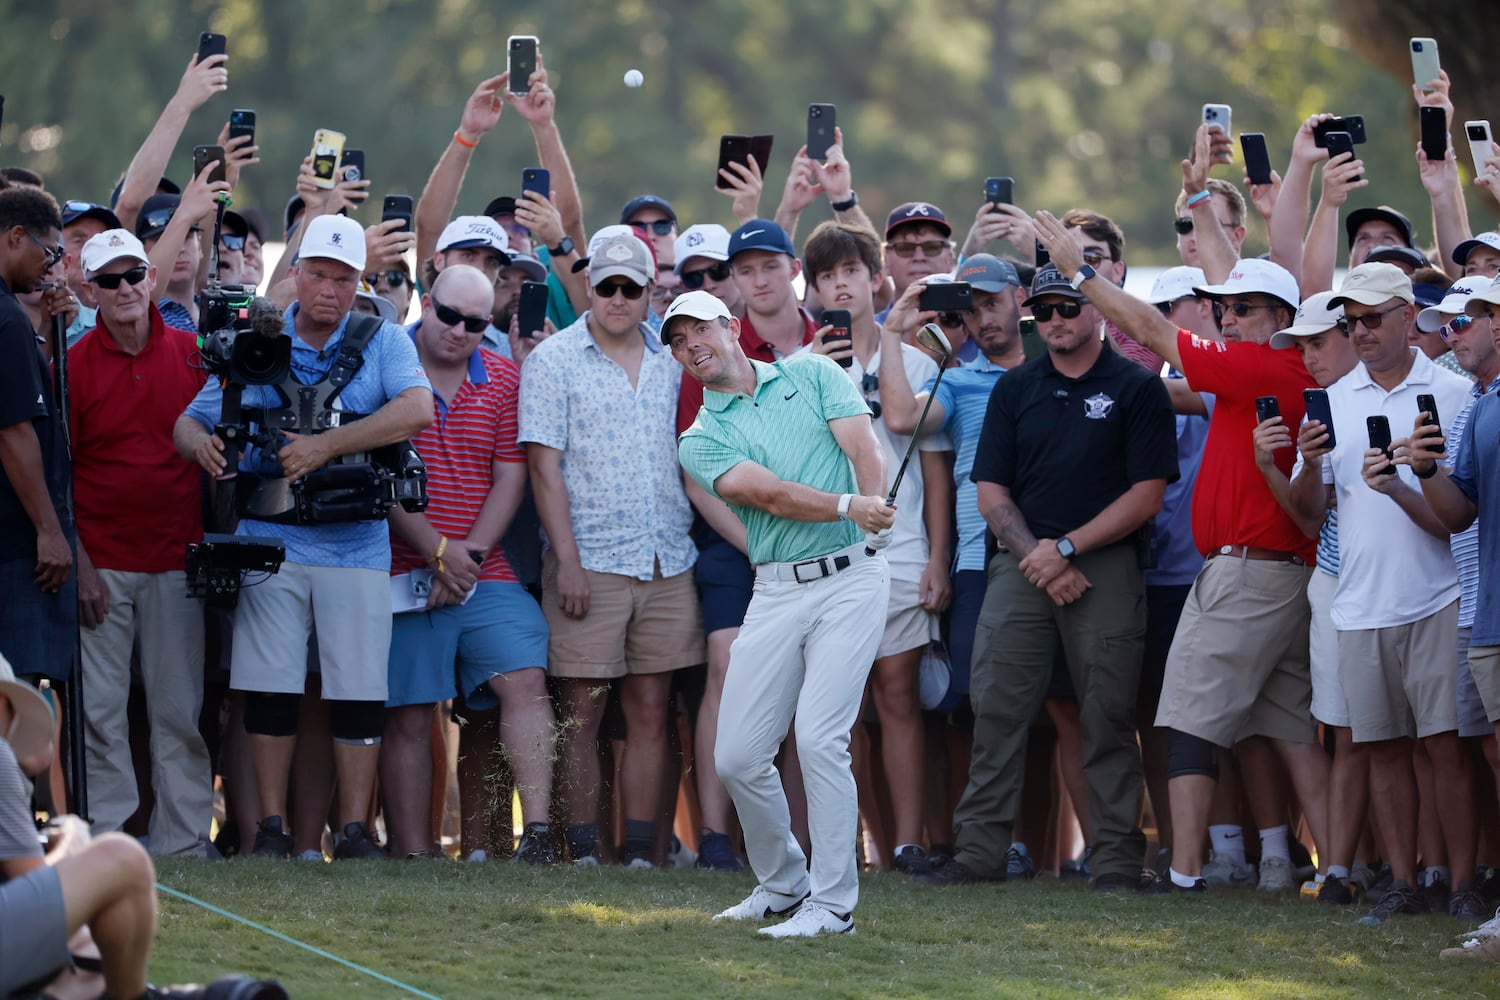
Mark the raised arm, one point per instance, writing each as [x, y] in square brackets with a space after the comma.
[1289, 223]
[198, 84]
[435, 206]
[1341, 175]
[539, 107]
[1216, 255]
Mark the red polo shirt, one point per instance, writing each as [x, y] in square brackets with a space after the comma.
[755, 348]
[138, 502]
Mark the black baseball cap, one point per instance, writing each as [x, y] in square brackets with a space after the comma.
[503, 205]
[155, 214]
[1380, 213]
[634, 205]
[1050, 281]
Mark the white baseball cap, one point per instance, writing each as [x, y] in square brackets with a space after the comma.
[1314, 316]
[1176, 283]
[1253, 275]
[1461, 252]
[110, 246]
[706, 239]
[698, 304]
[1430, 320]
[334, 237]
[1487, 296]
[473, 231]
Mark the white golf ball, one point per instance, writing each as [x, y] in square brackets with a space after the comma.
[634, 78]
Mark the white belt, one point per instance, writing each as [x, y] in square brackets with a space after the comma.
[808, 570]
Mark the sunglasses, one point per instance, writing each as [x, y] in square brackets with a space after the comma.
[79, 206]
[1184, 225]
[1167, 308]
[156, 220]
[1093, 258]
[607, 289]
[54, 254]
[693, 280]
[1239, 309]
[232, 242]
[393, 278]
[134, 276]
[1456, 325]
[1043, 311]
[1371, 321]
[661, 227]
[452, 317]
[909, 248]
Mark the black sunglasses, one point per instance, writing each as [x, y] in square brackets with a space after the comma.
[1372, 321]
[1239, 309]
[607, 289]
[156, 220]
[661, 227]
[1043, 311]
[54, 254]
[1167, 308]
[134, 276]
[232, 242]
[393, 278]
[452, 317]
[693, 280]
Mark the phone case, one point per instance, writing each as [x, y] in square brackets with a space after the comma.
[522, 62]
[1316, 403]
[1217, 114]
[1424, 61]
[242, 122]
[397, 206]
[1257, 159]
[328, 148]
[1266, 407]
[352, 165]
[821, 119]
[1000, 190]
[1352, 124]
[210, 44]
[531, 311]
[1428, 405]
[1379, 429]
[1479, 135]
[203, 156]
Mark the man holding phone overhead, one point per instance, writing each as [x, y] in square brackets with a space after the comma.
[1397, 632]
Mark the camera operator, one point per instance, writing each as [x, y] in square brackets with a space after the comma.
[335, 575]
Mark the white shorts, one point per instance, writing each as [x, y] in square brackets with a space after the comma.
[351, 611]
[907, 624]
[1328, 705]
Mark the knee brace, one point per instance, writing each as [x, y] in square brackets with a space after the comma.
[1191, 755]
[358, 722]
[269, 714]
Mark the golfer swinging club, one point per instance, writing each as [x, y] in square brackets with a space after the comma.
[790, 447]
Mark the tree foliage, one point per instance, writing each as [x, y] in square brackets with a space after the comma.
[1084, 102]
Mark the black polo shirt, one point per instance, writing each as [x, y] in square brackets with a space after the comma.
[1067, 448]
[26, 395]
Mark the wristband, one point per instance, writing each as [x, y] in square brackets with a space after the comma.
[844, 502]
[1428, 475]
[1201, 196]
[844, 206]
[436, 559]
[458, 138]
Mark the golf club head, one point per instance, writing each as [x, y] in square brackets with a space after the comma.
[931, 337]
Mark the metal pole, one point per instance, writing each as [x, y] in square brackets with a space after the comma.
[73, 703]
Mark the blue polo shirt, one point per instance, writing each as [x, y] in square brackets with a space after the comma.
[1476, 471]
[964, 395]
[391, 367]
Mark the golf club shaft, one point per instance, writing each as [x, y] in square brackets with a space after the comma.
[916, 436]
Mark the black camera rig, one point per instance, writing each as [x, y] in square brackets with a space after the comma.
[218, 565]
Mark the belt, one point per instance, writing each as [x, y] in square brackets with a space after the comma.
[1259, 555]
[808, 570]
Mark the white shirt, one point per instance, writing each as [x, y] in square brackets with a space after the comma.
[1391, 572]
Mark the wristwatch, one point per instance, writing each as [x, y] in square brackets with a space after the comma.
[563, 248]
[844, 206]
[1065, 546]
[1084, 274]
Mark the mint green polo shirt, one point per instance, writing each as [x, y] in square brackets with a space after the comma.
[783, 427]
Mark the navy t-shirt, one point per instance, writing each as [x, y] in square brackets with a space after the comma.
[26, 396]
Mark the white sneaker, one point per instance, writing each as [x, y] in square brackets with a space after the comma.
[478, 856]
[1277, 875]
[1490, 928]
[761, 904]
[312, 854]
[1227, 873]
[811, 920]
[640, 864]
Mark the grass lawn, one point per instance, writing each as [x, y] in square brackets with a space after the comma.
[500, 930]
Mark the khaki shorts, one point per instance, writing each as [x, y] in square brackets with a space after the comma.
[1239, 660]
[633, 626]
[1328, 705]
[1484, 664]
[1401, 681]
[908, 625]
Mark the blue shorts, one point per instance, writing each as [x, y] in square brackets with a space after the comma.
[725, 582]
[436, 654]
[38, 630]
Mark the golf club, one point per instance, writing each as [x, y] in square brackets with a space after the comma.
[931, 338]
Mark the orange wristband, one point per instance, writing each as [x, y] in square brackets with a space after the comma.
[458, 138]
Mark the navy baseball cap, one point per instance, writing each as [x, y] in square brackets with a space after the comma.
[503, 205]
[760, 234]
[1050, 281]
[634, 205]
[154, 215]
[988, 273]
[72, 211]
[916, 213]
[1460, 253]
[1403, 257]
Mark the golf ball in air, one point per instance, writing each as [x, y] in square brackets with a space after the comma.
[634, 78]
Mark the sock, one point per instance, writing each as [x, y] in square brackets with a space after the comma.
[1228, 841]
[1319, 879]
[1433, 874]
[640, 836]
[902, 847]
[583, 840]
[1181, 880]
[1339, 872]
[1273, 843]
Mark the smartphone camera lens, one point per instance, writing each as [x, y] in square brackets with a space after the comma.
[1416, 46]
[816, 113]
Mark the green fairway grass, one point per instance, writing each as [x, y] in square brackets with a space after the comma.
[501, 930]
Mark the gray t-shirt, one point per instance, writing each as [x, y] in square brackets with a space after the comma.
[17, 826]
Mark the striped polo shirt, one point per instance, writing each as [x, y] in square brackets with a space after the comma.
[469, 433]
[965, 396]
[1465, 544]
[783, 427]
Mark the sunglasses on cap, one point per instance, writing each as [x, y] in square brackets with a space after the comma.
[79, 206]
[134, 276]
[1042, 311]
[393, 278]
[1348, 324]
[661, 227]
[607, 289]
[232, 242]
[1456, 325]
[693, 280]
[157, 219]
[908, 248]
[452, 317]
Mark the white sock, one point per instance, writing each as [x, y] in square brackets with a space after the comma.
[1228, 842]
[1434, 873]
[902, 847]
[1339, 872]
[1273, 843]
[1181, 880]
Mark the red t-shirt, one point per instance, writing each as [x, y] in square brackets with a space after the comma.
[139, 504]
[1232, 505]
[476, 429]
[691, 397]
